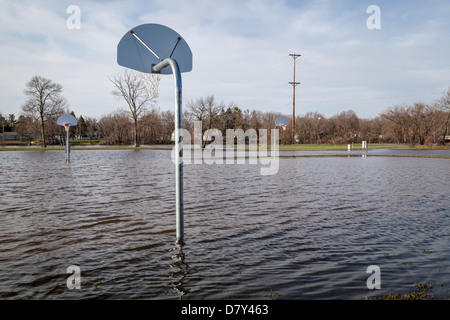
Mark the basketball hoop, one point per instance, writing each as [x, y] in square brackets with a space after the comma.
[281, 122]
[67, 121]
[151, 81]
[137, 50]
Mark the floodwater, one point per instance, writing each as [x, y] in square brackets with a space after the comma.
[308, 232]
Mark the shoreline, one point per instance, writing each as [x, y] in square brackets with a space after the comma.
[300, 147]
[311, 150]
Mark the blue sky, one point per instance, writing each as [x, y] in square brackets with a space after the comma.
[241, 52]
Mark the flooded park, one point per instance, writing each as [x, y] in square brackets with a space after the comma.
[310, 231]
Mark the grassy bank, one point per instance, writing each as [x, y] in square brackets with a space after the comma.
[74, 148]
[344, 147]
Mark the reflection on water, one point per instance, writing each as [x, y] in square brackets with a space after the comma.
[308, 232]
[180, 270]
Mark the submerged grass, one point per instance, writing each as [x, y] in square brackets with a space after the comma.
[421, 292]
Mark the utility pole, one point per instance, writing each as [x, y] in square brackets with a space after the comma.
[294, 84]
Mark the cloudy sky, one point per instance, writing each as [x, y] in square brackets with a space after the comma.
[241, 52]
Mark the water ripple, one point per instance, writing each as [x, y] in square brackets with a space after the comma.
[308, 232]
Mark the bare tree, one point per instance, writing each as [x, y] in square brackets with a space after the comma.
[27, 127]
[205, 109]
[91, 127]
[44, 101]
[421, 121]
[256, 120]
[131, 87]
[311, 127]
[412, 124]
[168, 124]
[52, 130]
[151, 127]
[2, 123]
[115, 127]
[196, 110]
[371, 129]
[398, 122]
[346, 126]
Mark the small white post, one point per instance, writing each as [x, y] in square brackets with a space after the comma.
[364, 145]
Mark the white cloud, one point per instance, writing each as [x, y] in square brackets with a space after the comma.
[240, 52]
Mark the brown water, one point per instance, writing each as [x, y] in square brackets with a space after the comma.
[308, 232]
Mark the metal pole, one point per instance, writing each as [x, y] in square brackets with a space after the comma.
[178, 144]
[293, 106]
[67, 145]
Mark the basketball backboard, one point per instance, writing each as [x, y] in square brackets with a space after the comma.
[148, 44]
[281, 121]
[67, 120]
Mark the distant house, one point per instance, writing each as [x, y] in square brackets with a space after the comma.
[10, 136]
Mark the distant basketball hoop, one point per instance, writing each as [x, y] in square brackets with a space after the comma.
[282, 122]
[67, 121]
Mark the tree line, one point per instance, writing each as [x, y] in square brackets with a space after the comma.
[144, 123]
